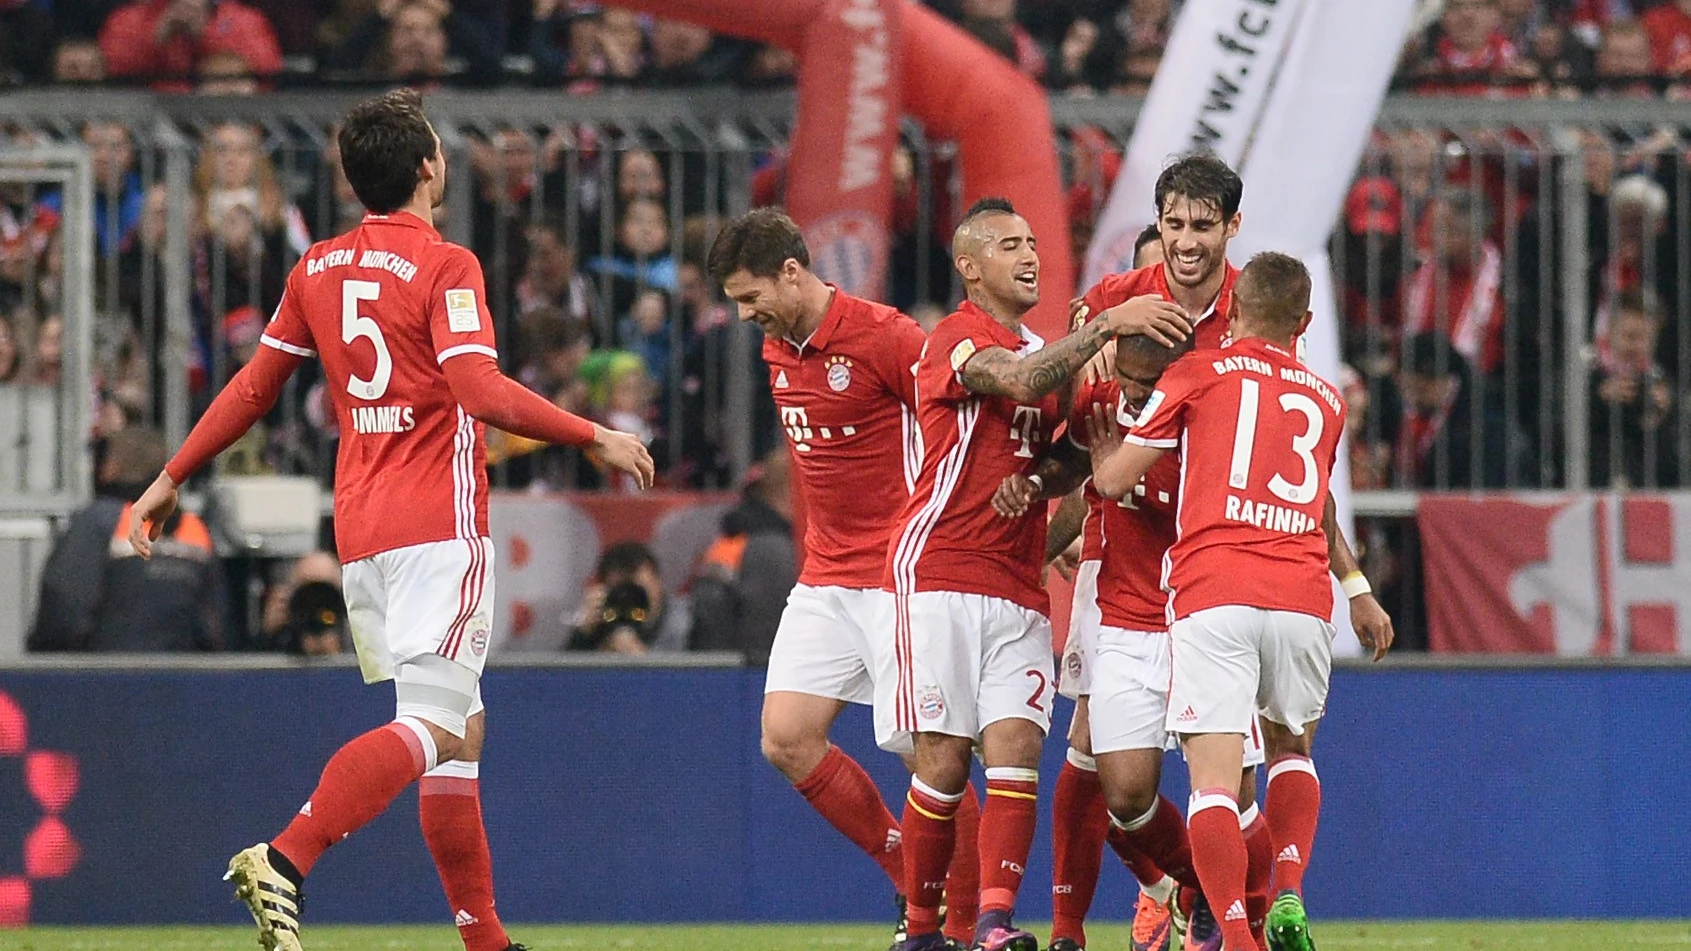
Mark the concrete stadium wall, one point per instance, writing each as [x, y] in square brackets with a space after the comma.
[640, 795]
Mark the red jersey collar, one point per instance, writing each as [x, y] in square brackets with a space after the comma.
[403, 219]
[1002, 336]
[1228, 274]
[824, 331]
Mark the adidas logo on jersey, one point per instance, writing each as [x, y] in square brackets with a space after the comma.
[305, 810]
[781, 380]
[1290, 854]
[464, 919]
[895, 838]
[1187, 715]
[1235, 911]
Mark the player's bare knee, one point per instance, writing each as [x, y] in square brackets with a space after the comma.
[1013, 742]
[1128, 803]
[475, 731]
[942, 761]
[1278, 740]
[1080, 729]
[1248, 787]
[793, 751]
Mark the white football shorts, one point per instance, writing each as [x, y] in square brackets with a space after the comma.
[1230, 663]
[962, 662]
[1074, 676]
[433, 598]
[828, 645]
[1130, 684]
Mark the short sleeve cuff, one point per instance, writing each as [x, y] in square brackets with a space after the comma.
[286, 347]
[1152, 443]
[462, 349]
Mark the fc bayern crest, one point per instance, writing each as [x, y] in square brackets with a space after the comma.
[848, 249]
[1074, 663]
[931, 703]
[839, 376]
[478, 641]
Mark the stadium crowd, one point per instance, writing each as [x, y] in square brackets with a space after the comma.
[1448, 253]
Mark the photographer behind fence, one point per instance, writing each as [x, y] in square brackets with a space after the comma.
[97, 596]
[316, 621]
[625, 611]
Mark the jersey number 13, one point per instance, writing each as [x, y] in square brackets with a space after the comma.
[1244, 444]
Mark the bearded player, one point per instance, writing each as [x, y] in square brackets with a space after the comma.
[1196, 200]
[841, 370]
[399, 319]
[970, 616]
[1258, 435]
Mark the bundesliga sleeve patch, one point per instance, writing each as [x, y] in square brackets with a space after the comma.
[1151, 406]
[960, 355]
[462, 315]
[1080, 317]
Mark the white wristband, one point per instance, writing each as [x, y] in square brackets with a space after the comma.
[1038, 483]
[1355, 585]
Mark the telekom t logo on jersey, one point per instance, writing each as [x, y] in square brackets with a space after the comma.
[1024, 428]
[796, 421]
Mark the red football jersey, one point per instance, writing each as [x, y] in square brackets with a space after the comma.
[948, 537]
[1133, 533]
[383, 306]
[1257, 435]
[1211, 331]
[847, 398]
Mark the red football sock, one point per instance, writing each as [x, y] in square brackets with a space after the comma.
[1218, 852]
[1007, 823]
[843, 794]
[963, 880]
[930, 835]
[1159, 835]
[1259, 849]
[449, 807]
[1079, 823]
[357, 784]
[1293, 807]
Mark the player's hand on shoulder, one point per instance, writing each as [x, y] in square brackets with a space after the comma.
[1372, 624]
[1102, 366]
[625, 453]
[148, 515]
[1014, 495]
[1151, 316]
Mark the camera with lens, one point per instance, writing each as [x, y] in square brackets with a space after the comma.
[627, 605]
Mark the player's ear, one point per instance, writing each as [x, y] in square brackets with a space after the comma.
[966, 268]
[1233, 226]
[1303, 324]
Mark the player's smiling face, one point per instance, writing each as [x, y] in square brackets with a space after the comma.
[773, 303]
[1194, 239]
[1007, 259]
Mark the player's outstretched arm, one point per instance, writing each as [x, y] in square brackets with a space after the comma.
[248, 396]
[1116, 466]
[1373, 626]
[501, 402]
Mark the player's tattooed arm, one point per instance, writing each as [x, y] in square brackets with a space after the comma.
[1065, 526]
[1373, 626]
[1057, 474]
[996, 371]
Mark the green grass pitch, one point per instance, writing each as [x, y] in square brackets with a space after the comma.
[1336, 936]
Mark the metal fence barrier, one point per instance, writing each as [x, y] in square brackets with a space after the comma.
[1514, 293]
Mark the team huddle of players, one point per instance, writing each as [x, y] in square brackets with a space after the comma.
[928, 463]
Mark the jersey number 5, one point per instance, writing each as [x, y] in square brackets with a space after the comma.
[355, 325]
[1244, 443]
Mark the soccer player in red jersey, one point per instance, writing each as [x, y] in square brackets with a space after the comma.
[1197, 201]
[399, 319]
[972, 635]
[842, 373]
[1258, 434]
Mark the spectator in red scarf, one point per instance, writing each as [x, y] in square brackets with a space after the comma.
[1669, 28]
[1471, 55]
[1456, 292]
[165, 40]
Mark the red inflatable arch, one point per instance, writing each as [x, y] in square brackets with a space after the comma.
[839, 184]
